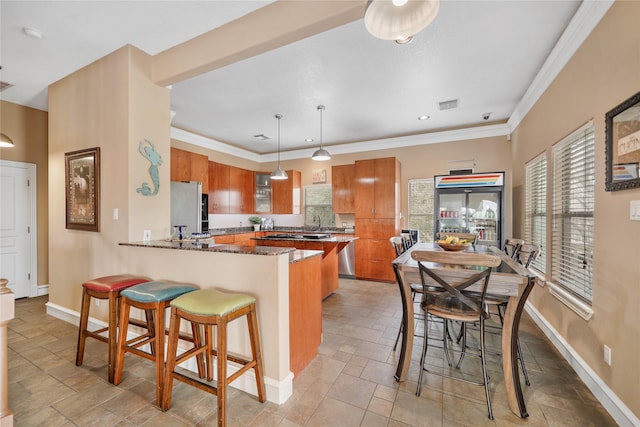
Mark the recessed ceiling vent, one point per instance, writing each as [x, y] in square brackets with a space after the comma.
[448, 105]
[261, 137]
[4, 85]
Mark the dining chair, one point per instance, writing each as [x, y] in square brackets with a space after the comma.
[407, 241]
[398, 244]
[455, 272]
[511, 247]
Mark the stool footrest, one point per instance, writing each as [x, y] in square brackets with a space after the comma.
[197, 384]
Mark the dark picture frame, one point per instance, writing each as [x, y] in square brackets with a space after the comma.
[622, 144]
[82, 189]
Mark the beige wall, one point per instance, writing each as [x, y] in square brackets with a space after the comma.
[27, 128]
[602, 74]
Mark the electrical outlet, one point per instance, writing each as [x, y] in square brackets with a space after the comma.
[146, 237]
[115, 213]
[607, 355]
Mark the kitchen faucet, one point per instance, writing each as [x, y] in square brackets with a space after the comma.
[317, 217]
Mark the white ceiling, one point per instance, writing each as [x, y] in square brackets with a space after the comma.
[486, 54]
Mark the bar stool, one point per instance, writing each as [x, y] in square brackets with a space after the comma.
[209, 307]
[109, 288]
[154, 296]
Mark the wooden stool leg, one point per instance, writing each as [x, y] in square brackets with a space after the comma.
[159, 342]
[114, 298]
[84, 320]
[208, 338]
[256, 351]
[172, 350]
[123, 326]
[197, 343]
[222, 372]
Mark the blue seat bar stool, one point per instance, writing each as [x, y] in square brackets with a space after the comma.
[106, 288]
[156, 297]
[210, 307]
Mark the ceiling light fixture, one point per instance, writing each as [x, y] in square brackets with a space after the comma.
[279, 173]
[399, 20]
[424, 118]
[5, 141]
[321, 154]
[32, 32]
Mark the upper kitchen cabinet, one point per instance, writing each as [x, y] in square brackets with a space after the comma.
[263, 192]
[241, 187]
[286, 194]
[231, 189]
[342, 189]
[376, 186]
[188, 166]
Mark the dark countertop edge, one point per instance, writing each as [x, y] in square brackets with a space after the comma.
[302, 239]
[242, 230]
[233, 249]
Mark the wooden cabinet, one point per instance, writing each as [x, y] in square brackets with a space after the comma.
[286, 194]
[230, 189]
[376, 187]
[188, 166]
[342, 178]
[241, 188]
[377, 214]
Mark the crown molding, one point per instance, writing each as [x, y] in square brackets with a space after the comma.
[355, 147]
[582, 24]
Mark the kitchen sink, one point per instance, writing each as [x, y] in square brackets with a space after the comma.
[316, 235]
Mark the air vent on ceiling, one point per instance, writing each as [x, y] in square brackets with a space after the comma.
[4, 85]
[261, 137]
[448, 105]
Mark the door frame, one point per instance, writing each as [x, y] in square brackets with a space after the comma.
[32, 220]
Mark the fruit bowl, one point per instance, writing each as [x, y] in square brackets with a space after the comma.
[453, 247]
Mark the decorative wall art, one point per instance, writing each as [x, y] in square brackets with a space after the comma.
[622, 135]
[82, 189]
[319, 176]
[148, 151]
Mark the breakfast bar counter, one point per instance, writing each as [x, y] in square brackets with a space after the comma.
[285, 281]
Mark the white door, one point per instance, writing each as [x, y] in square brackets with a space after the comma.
[17, 231]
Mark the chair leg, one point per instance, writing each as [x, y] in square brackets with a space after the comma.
[159, 341]
[424, 353]
[484, 369]
[123, 326]
[222, 373]
[445, 345]
[256, 351]
[172, 350]
[399, 333]
[84, 320]
[522, 366]
[463, 332]
[113, 334]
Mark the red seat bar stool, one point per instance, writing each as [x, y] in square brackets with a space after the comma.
[154, 297]
[109, 288]
[209, 307]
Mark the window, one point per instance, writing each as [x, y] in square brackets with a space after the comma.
[317, 205]
[573, 204]
[535, 208]
[421, 207]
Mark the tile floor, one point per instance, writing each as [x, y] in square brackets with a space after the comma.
[350, 383]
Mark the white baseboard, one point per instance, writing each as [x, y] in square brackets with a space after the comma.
[612, 403]
[42, 290]
[278, 392]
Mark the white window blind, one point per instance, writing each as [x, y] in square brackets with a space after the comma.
[421, 207]
[573, 204]
[535, 208]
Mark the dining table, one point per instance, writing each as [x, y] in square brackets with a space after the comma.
[510, 279]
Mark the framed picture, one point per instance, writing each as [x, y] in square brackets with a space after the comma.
[82, 189]
[622, 137]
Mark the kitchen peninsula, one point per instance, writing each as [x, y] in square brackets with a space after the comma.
[285, 282]
[331, 245]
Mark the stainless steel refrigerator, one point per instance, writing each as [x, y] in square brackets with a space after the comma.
[186, 206]
[470, 203]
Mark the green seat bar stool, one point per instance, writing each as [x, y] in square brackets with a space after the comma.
[154, 297]
[210, 307]
[109, 288]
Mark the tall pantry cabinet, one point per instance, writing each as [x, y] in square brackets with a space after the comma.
[377, 216]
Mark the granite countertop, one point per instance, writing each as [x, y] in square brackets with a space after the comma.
[300, 238]
[282, 229]
[295, 255]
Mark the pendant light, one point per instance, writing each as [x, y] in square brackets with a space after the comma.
[5, 141]
[399, 20]
[321, 154]
[279, 173]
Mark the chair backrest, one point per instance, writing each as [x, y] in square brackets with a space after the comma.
[527, 253]
[469, 237]
[407, 241]
[436, 265]
[512, 246]
[398, 244]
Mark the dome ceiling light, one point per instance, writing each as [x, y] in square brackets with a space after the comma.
[279, 173]
[399, 20]
[321, 154]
